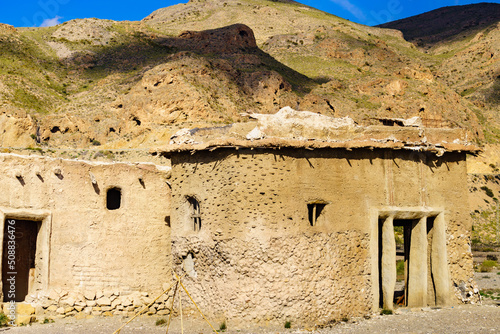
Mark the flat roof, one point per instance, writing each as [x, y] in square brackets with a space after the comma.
[304, 130]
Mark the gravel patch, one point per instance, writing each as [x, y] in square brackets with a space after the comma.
[461, 319]
[488, 280]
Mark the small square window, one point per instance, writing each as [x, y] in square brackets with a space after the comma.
[113, 198]
[314, 212]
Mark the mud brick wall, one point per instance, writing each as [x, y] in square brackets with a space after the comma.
[257, 257]
[83, 247]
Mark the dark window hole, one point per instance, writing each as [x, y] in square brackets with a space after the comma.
[314, 211]
[113, 198]
[195, 213]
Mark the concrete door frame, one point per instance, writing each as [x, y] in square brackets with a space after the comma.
[439, 254]
[42, 244]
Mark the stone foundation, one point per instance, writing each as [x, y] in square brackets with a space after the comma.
[102, 303]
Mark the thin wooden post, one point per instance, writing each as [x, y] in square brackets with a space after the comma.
[144, 308]
[184, 288]
[172, 306]
[314, 215]
[180, 311]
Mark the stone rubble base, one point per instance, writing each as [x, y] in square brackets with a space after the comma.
[104, 303]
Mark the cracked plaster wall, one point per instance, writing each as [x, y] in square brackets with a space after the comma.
[257, 258]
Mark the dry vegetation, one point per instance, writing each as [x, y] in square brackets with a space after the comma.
[82, 83]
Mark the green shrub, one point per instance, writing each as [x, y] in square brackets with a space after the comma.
[398, 235]
[492, 257]
[400, 268]
[288, 324]
[385, 312]
[487, 266]
[488, 191]
[4, 320]
[160, 322]
[223, 327]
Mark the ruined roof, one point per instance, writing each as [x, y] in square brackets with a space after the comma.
[289, 128]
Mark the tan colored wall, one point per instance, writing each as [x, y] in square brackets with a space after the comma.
[91, 249]
[257, 258]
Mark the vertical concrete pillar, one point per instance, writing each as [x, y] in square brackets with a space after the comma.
[439, 262]
[417, 271]
[388, 267]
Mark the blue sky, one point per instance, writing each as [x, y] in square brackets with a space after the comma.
[50, 12]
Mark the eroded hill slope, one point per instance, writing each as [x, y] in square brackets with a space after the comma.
[97, 83]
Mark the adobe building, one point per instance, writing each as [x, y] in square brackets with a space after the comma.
[89, 236]
[291, 217]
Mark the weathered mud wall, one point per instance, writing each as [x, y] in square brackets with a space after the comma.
[257, 257]
[86, 251]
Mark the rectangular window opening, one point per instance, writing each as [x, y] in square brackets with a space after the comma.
[314, 212]
[113, 198]
[195, 213]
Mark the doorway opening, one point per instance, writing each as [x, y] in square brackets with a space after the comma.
[19, 258]
[314, 211]
[408, 261]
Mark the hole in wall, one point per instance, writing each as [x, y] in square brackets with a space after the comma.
[21, 180]
[113, 198]
[96, 188]
[195, 216]
[137, 121]
[188, 265]
[314, 212]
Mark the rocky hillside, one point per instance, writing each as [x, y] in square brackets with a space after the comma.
[447, 24]
[485, 207]
[466, 40]
[104, 84]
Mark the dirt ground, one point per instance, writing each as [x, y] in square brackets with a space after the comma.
[462, 319]
[483, 318]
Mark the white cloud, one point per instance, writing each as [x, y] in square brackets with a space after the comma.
[51, 22]
[351, 8]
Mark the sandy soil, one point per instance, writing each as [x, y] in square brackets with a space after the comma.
[462, 319]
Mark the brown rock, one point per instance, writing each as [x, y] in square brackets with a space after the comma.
[228, 39]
